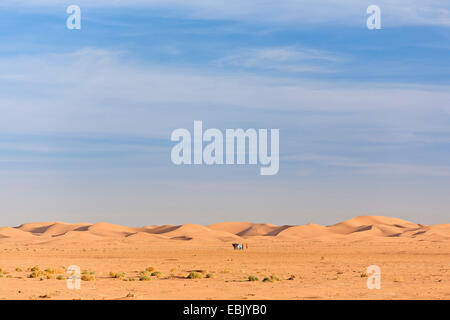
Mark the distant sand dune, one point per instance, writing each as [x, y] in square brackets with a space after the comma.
[358, 228]
[305, 232]
[103, 229]
[13, 233]
[231, 227]
[144, 236]
[159, 229]
[198, 232]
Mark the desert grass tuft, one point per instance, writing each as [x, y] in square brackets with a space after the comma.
[253, 278]
[272, 278]
[117, 275]
[195, 275]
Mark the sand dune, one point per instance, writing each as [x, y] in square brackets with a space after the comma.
[103, 229]
[35, 227]
[198, 232]
[158, 229]
[260, 229]
[248, 229]
[77, 236]
[305, 232]
[359, 223]
[145, 236]
[63, 228]
[437, 232]
[362, 227]
[231, 227]
[7, 232]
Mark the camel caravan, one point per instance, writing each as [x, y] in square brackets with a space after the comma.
[239, 246]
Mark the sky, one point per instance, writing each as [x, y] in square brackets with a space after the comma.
[86, 115]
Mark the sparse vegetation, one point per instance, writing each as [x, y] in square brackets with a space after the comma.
[156, 274]
[195, 275]
[210, 275]
[144, 278]
[129, 279]
[253, 278]
[36, 274]
[272, 278]
[87, 277]
[87, 272]
[117, 275]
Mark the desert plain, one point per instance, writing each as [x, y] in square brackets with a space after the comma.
[198, 262]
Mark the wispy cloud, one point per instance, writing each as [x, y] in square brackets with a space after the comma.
[288, 59]
[94, 90]
[350, 12]
[361, 166]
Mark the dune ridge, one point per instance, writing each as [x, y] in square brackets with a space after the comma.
[362, 227]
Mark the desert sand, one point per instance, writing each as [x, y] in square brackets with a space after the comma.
[154, 262]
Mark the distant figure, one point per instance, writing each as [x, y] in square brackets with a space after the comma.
[246, 246]
[239, 246]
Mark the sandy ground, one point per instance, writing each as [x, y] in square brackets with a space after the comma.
[323, 266]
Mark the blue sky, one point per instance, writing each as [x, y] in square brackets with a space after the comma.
[87, 114]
